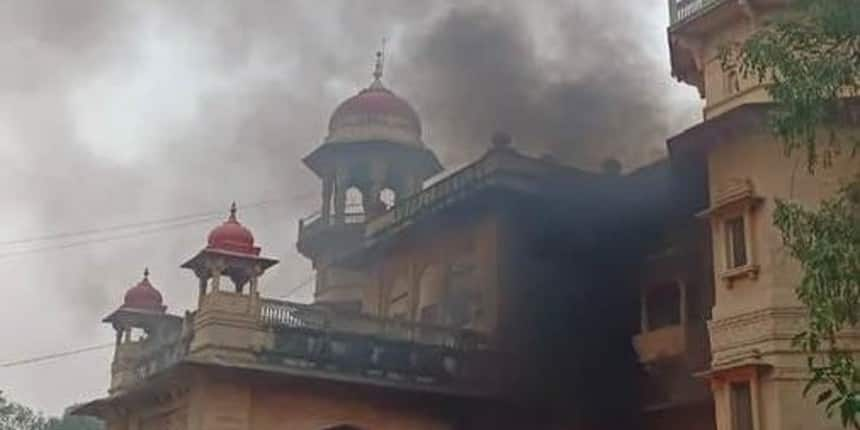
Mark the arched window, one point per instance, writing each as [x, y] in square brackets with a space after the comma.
[355, 209]
[388, 197]
[354, 201]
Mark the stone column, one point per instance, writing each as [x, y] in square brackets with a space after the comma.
[216, 278]
[327, 192]
[202, 280]
[340, 198]
[378, 174]
[254, 279]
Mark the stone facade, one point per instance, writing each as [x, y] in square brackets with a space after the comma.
[513, 293]
[756, 313]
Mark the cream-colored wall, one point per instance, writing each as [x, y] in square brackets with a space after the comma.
[338, 285]
[718, 98]
[230, 400]
[755, 318]
[760, 159]
[789, 410]
[779, 406]
[475, 242]
[294, 408]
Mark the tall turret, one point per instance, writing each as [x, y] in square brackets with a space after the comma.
[372, 156]
[142, 325]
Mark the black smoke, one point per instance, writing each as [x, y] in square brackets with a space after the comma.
[480, 68]
[578, 78]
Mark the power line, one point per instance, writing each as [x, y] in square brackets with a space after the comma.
[192, 220]
[12, 254]
[63, 354]
[93, 231]
[55, 355]
[304, 283]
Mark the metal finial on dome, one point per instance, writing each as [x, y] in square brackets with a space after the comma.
[146, 273]
[377, 70]
[233, 211]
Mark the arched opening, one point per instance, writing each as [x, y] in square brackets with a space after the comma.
[388, 198]
[354, 205]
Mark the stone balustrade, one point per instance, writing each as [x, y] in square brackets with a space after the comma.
[308, 340]
[681, 10]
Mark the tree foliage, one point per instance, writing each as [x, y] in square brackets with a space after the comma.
[809, 60]
[14, 416]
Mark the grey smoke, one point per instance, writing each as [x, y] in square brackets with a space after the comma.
[477, 69]
[115, 111]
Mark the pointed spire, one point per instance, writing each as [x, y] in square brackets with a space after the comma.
[377, 70]
[233, 212]
[146, 273]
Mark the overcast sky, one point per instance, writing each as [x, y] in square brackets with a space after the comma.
[115, 112]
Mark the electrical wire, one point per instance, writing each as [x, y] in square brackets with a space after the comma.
[304, 283]
[190, 219]
[57, 355]
[11, 254]
[94, 231]
[54, 356]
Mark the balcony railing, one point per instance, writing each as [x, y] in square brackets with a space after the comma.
[287, 315]
[434, 196]
[687, 340]
[316, 223]
[315, 339]
[682, 10]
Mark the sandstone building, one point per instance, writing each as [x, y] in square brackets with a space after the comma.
[515, 292]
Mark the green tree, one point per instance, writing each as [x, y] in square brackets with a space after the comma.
[68, 422]
[809, 60]
[14, 416]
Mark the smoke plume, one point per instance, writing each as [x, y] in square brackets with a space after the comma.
[117, 111]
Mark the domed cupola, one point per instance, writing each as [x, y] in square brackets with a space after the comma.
[144, 297]
[372, 157]
[230, 251]
[375, 114]
[232, 236]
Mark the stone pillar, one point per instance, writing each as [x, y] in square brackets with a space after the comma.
[378, 174]
[327, 192]
[340, 198]
[254, 279]
[216, 279]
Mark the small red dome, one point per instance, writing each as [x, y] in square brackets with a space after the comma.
[232, 236]
[144, 296]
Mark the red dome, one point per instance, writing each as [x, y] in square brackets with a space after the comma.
[144, 296]
[232, 236]
[375, 113]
